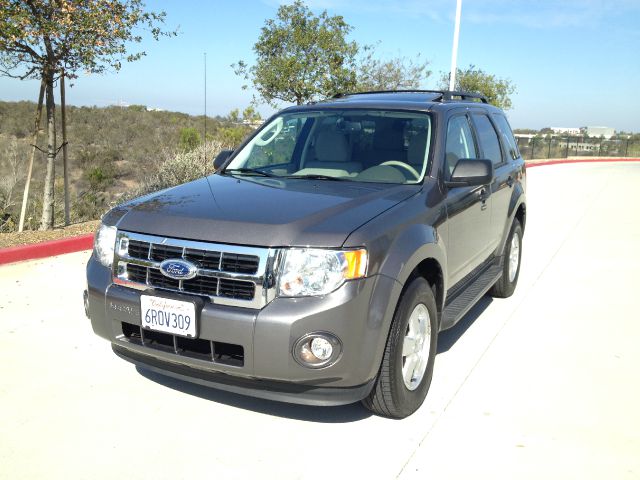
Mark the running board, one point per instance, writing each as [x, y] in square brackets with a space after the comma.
[456, 307]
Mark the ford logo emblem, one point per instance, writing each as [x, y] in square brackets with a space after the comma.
[178, 269]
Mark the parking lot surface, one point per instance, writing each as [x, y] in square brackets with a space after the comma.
[541, 385]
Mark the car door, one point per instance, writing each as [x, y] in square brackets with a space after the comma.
[501, 187]
[508, 173]
[468, 208]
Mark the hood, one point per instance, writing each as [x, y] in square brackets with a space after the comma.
[261, 211]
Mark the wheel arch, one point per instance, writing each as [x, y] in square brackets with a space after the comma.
[517, 210]
[418, 252]
[521, 215]
[431, 271]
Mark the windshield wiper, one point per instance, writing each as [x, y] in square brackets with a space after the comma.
[318, 176]
[247, 171]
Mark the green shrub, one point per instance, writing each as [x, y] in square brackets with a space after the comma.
[182, 167]
[189, 139]
[137, 108]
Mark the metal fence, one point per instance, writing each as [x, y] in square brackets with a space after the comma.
[563, 147]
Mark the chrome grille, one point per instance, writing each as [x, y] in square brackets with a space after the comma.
[228, 274]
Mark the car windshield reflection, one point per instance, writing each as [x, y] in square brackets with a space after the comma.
[352, 145]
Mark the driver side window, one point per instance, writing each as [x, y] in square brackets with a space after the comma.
[275, 146]
[460, 143]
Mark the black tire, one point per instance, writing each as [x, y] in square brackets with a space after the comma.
[505, 287]
[390, 396]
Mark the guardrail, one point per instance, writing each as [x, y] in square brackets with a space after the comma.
[579, 146]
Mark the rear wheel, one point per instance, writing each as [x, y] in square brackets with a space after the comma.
[507, 282]
[407, 365]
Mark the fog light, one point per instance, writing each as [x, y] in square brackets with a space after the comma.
[321, 348]
[316, 350]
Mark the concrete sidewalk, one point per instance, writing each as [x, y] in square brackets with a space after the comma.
[541, 385]
[556, 393]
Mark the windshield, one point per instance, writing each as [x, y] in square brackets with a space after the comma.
[353, 145]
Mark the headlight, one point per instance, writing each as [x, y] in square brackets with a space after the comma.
[311, 271]
[104, 244]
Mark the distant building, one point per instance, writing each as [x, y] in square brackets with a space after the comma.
[252, 123]
[120, 103]
[580, 146]
[605, 132]
[566, 130]
[524, 138]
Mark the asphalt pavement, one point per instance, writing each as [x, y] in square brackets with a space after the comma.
[544, 384]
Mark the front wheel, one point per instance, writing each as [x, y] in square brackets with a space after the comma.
[407, 365]
[507, 282]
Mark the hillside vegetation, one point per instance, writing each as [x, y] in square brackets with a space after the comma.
[114, 153]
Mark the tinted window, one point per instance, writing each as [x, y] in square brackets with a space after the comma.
[459, 141]
[488, 139]
[507, 135]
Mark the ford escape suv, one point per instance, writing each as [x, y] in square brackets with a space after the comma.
[320, 261]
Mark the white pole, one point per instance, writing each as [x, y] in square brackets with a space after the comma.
[204, 138]
[454, 53]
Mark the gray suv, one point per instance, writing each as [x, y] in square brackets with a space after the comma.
[320, 261]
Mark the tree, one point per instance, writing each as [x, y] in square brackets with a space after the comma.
[301, 57]
[13, 173]
[398, 73]
[250, 115]
[235, 129]
[497, 90]
[45, 39]
[234, 115]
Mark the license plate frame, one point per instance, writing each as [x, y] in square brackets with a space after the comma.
[166, 318]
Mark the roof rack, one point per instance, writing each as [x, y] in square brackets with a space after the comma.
[443, 95]
[451, 95]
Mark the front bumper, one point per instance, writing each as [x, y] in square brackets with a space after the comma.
[270, 390]
[357, 314]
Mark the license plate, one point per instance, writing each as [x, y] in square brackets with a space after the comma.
[168, 315]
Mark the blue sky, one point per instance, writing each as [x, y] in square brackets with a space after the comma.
[574, 63]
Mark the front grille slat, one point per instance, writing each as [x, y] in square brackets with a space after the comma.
[199, 348]
[238, 263]
[136, 273]
[157, 279]
[211, 260]
[138, 249]
[201, 285]
[236, 289]
[203, 258]
[164, 252]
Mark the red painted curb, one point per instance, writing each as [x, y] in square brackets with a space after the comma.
[581, 160]
[85, 242]
[46, 249]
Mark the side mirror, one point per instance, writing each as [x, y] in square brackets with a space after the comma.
[221, 158]
[470, 172]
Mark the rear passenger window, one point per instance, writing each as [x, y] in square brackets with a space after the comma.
[459, 141]
[507, 135]
[488, 139]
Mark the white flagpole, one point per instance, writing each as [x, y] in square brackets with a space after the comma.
[454, 53]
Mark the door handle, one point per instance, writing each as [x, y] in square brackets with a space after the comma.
[483, 198]
[510, 181]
